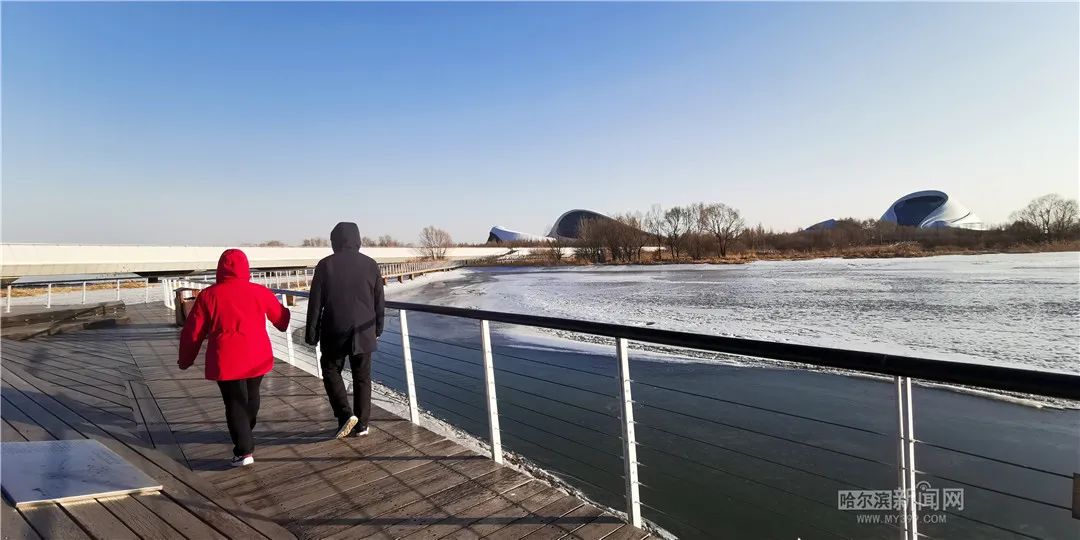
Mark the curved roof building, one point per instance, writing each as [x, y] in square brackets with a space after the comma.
[931, 209]
[569, 224]
[500, 234]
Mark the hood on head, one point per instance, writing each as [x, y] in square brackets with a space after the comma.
[233, 264]
[345, 236]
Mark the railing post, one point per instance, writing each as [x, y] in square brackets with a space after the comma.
[48, 296]
[118, 289]
[913, 506]
[626, 412]
[318, 359]
[410, 384]
[489, 389]
[288, 335]
[906, 455]
[901, 454]
[84, 292]
[146, 290]
[8, 309]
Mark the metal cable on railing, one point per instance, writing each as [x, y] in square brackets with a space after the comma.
[503, 385]
[764, 434]
[750, 455]
[503, 370]
[522, 358]
[760, 408]
[995, 460]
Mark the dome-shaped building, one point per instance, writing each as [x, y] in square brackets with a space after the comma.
[569, 224]
[928, 209]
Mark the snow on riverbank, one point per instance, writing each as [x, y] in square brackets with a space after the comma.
[1020, 310]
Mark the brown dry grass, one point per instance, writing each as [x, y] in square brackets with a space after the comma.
[19, 292]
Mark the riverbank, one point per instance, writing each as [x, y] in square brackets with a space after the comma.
[901, 250]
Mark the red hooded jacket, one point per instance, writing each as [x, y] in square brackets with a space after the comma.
[232, 314]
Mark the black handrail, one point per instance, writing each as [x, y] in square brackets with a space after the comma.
[1038, 382]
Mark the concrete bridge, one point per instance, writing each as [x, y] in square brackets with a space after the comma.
[20, 260]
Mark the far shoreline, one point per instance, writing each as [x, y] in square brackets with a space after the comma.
[898, 251]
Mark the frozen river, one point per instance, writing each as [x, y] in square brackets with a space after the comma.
[1009, 309]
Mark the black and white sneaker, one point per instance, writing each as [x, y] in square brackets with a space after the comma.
[360, 431]
[346, 428]
[241, 461]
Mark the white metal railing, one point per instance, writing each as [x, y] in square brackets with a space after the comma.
[77, 292]
[1060, 385]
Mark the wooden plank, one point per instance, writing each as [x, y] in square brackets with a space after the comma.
[9, 433]
[295, 466]
[501, 518]
[551, 513]
[161, 435]
[70, 373]
[140, 519]
[449, 484]
[489, 509]
[603, 526]
[70, 376]
[628, 532]
[98, 522]
[210, 504]
[55, 427]
[572, 521]
[22, 424]
[50, 521]
[176, 516]
[13, 526]
[86, 404]
[310, 498]
[443, 505]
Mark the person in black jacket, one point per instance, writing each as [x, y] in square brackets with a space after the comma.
[345, 317]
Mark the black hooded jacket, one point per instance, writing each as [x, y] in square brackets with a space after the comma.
[345, 311]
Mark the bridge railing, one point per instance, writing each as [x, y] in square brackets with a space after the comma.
[135, 290]
[692, 448]
[132, 290]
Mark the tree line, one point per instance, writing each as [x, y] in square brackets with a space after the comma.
[705, 231]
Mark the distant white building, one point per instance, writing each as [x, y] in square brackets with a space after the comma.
[501, 235]
[928, 209]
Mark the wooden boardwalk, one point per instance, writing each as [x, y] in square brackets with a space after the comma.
[121, 387]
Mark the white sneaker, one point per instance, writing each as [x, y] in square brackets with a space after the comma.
[347, 427]
[240, 461]
[361, 432]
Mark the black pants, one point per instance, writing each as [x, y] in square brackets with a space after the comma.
[241, 399]
[360, 365]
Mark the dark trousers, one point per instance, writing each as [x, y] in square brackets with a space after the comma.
[360, 365]
[241, 399]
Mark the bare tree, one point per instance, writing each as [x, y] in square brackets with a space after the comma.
[434, 242]
[315, 242]
[273, 243]
[632, 237]
[723, 222]
[556, 251]
[694, 240]
[388, 241]
[1053, 215]
[653, 223]
[590, 246]
[673, 227]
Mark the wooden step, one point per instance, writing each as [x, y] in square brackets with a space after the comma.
[21, 333]
[31, 315]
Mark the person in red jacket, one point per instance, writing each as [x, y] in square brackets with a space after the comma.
[231, 314]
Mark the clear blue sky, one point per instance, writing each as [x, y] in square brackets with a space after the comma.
[222, 123]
